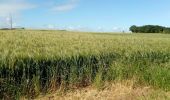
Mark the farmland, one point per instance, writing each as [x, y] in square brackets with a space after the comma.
[40, 62]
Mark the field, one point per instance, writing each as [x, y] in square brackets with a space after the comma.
[33, 63]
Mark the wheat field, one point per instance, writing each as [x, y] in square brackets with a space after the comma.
[39, 62]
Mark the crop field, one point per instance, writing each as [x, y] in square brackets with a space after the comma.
[40, 62]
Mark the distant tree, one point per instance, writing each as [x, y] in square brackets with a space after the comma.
[147, 29]
[133, 29]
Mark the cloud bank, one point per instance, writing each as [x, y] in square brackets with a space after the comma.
[14, 6]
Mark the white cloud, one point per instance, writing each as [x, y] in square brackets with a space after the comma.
[117, 29]
[100, 29]
[51, 26]
[120, 29]
[79, 28]
[71, 4]
[13, 6]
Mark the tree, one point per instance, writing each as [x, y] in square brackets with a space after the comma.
[147, 29]
[133, 29]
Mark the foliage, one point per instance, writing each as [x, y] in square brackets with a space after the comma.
[148, 29]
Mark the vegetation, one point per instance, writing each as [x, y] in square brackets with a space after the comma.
[149, 29]
[38, 62]
[167, 30]
[111, 91]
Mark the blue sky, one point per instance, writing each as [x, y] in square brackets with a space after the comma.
[85, 15]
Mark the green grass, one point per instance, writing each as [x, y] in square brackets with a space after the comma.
[35, 62]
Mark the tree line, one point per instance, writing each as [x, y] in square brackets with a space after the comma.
[149, 29]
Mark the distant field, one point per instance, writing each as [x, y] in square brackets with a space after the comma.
[37, 62]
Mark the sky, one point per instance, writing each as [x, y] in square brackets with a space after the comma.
[84, 15]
